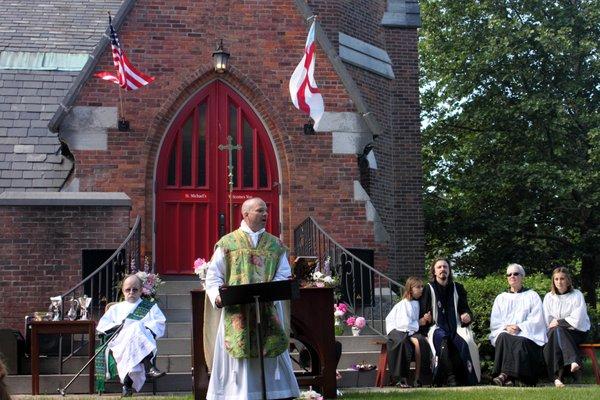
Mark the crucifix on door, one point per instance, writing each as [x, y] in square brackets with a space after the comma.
[230, 147]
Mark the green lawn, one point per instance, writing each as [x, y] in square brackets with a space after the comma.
[479, 393]
[482, 393]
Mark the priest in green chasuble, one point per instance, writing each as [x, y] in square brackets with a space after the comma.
[249, 255]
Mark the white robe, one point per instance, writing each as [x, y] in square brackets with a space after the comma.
[522, 309]
[134, 342]
[239, 379]
[569, 306]
[404, 317]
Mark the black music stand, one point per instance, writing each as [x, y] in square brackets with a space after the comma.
[259, 293]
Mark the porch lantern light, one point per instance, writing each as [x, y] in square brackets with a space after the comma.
[220, 59]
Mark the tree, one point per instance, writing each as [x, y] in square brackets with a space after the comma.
[511, 98]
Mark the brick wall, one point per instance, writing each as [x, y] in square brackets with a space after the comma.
[396, 186]
[42, 249]
[173, 41]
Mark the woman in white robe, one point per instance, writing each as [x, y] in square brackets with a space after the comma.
[567, 321]
[518, 332]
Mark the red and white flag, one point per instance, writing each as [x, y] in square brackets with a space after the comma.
[128, 77]
[303, 88]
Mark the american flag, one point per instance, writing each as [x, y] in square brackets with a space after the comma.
[128, 77]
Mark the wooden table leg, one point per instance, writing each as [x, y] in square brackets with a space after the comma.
[35, 370]
[91, 351]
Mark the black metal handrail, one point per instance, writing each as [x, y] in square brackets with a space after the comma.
[369, 292]
[100, 285]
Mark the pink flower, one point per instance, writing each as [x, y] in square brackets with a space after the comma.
[146, 291]
[360, 322]
[199, 263]
[350, 321]
[150, 280]
[343, 307]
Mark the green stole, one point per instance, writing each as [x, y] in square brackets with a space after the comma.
[247, 264]
[140, 312]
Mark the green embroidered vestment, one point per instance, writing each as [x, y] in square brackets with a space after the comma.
[246, 264]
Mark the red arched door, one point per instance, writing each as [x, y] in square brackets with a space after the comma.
[192, 198]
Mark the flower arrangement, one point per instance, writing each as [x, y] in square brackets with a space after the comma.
[356, 322]
[364, 366]
[310, 395]
[339, 310]
[200, 268]
[319, 279]
[150, 280]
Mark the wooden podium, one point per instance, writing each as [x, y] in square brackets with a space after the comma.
[312, 324]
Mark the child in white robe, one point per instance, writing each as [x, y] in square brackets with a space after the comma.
[402, 325]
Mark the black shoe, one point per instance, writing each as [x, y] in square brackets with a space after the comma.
[500, 380]
[154, 373]
[451, 380]
[127, 391]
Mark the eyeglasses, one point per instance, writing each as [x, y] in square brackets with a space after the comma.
[132, 290]
[513, 274]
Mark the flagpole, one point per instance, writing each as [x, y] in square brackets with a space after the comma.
[121, 105]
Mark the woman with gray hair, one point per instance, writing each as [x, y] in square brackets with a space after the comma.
[518, 332]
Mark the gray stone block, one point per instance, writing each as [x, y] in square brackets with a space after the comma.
[22, 123]
[36, 157]
[21, 183]
[341, 122]
[28, 140]
[22, 166]
[350, 142]
[402, 14]
[23, 148]
[16, 131]
[33, 174]
[11, 174]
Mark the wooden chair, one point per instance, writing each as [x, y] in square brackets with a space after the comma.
[589, 350]
[381, 364]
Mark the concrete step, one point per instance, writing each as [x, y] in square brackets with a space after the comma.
[174, 363]
[177, 315]
[174, 346]
[21, 384]
[178, 287]
[167, 363]
[352, 378]
[360, 343]
[180, 301]
[350, 358]
[178, 330]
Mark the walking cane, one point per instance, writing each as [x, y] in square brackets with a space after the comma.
[63, 391]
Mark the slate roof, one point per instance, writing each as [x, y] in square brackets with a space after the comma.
[61, 26]
[30, 155]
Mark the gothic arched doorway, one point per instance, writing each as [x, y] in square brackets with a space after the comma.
[192, 198]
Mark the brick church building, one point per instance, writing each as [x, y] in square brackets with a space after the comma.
[72, 182]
